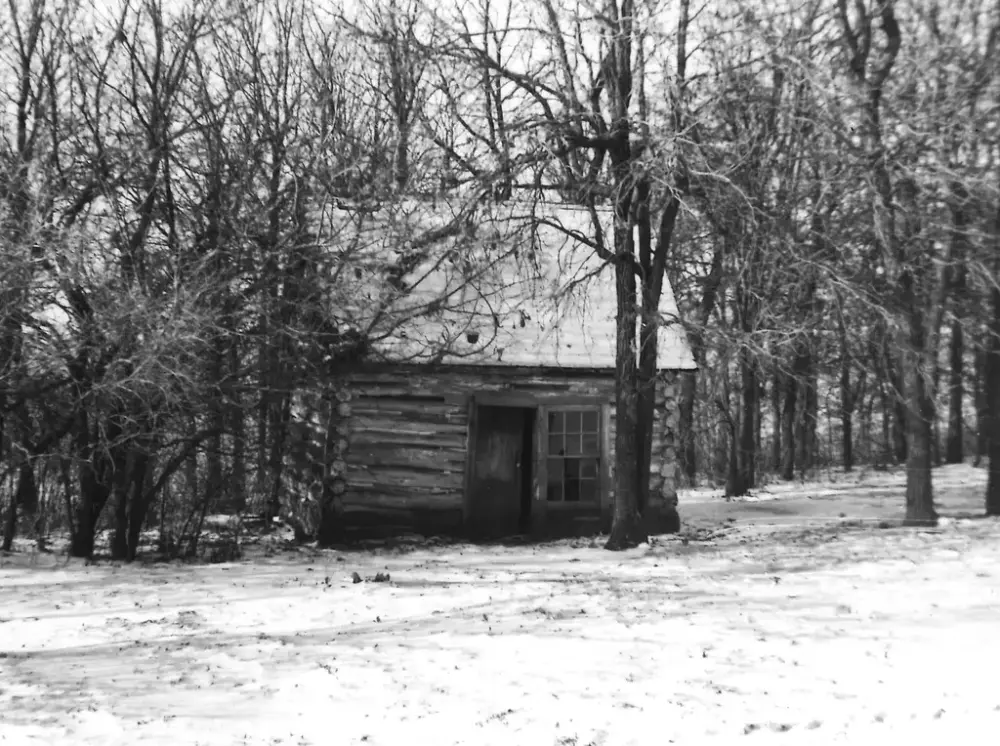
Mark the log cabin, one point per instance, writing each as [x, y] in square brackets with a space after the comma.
[486, 407]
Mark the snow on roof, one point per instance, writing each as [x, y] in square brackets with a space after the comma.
[520, 286]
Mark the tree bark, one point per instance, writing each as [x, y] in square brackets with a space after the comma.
[993, 410]
[26, 494]
[788, 426]
[626, 526]
[95, 473]
[981, 391]
[920, 412]
[131, 505]
[846, 421]
[847, 397]
[747, 441]
[804, 416]
[955, 444]
[898, 419]
[955, 449]
[992, 371]
[776, 387]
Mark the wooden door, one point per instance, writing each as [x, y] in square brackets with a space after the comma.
[499, 459]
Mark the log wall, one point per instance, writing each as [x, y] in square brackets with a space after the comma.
[408, 434]
[409, 437]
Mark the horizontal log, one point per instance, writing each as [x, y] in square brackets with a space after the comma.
[459, 385]
[417, 459]
[388, 495]
[381, 425]
[431, 480]
[366, 440]
[409, 411]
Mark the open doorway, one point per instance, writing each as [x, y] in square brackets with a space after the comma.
[502, 471]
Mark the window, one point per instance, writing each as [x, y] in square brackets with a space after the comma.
[574, 456]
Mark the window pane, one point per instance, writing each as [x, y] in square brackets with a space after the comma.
[590, 422]
[554, 493]
[555, 422]
[591, 444]
[572, 490]
[588, 468]
[573, 422]
[572, 444]
[556, 447]
[555, 469]
[571, 468]
[588, 490]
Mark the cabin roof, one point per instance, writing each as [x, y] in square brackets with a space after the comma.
[520, 287]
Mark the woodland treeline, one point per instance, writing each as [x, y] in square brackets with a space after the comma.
[183, 186]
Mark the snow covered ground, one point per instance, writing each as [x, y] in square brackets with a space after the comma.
[795, 617]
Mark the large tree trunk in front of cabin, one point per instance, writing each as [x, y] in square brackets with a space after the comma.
[627, 528]
[649, 321]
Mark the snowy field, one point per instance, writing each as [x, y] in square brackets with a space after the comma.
[800, 616]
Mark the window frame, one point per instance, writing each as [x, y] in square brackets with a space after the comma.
[599, 500]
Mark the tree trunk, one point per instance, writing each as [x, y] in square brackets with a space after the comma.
[886, 451]
[992, 372]
[955, 449]
[981, 393]
[955, 444]
[734, 477]
[626, 525]
[747, 441]
[788, 426]
[649, 294]
[806, 439]
[846, 413]
[898, 421]
[847, 402]
[237, 429]
[919, 488]
[26, 494]
[804, 436]
[689, 380]
[847, 438]
[131, 505]
[776, 387]
[95, 473]
[138, 502]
